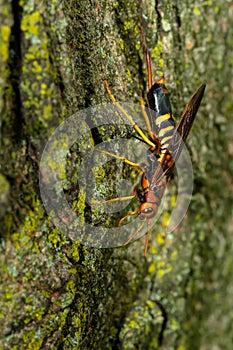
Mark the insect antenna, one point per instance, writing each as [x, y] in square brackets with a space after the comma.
[147, 237]
[135, 233]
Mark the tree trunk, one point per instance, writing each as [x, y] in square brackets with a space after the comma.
[56, 292]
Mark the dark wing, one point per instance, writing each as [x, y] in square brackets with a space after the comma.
[179, 136]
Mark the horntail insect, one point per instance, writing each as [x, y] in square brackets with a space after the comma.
[166, 141]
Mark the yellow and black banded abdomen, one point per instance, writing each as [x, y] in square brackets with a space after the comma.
[165, 126]
[162, 121]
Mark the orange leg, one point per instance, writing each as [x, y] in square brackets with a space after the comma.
[126, 216]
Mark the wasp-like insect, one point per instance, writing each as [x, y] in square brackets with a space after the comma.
[166, 141]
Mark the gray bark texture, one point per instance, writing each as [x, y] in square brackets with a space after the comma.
[57, 293]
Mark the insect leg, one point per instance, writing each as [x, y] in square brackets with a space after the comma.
[135, 165]
[114, 200]
[134, 124]
[126, 216]
[147, 121]
[125, 160]
[157, 143]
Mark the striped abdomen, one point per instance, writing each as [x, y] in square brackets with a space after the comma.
[162, 121]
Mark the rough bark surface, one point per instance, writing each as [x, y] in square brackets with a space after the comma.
[55, 292]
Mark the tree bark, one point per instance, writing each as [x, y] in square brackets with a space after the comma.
[57, 293]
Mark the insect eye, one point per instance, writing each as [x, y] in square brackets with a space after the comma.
[147, 210]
